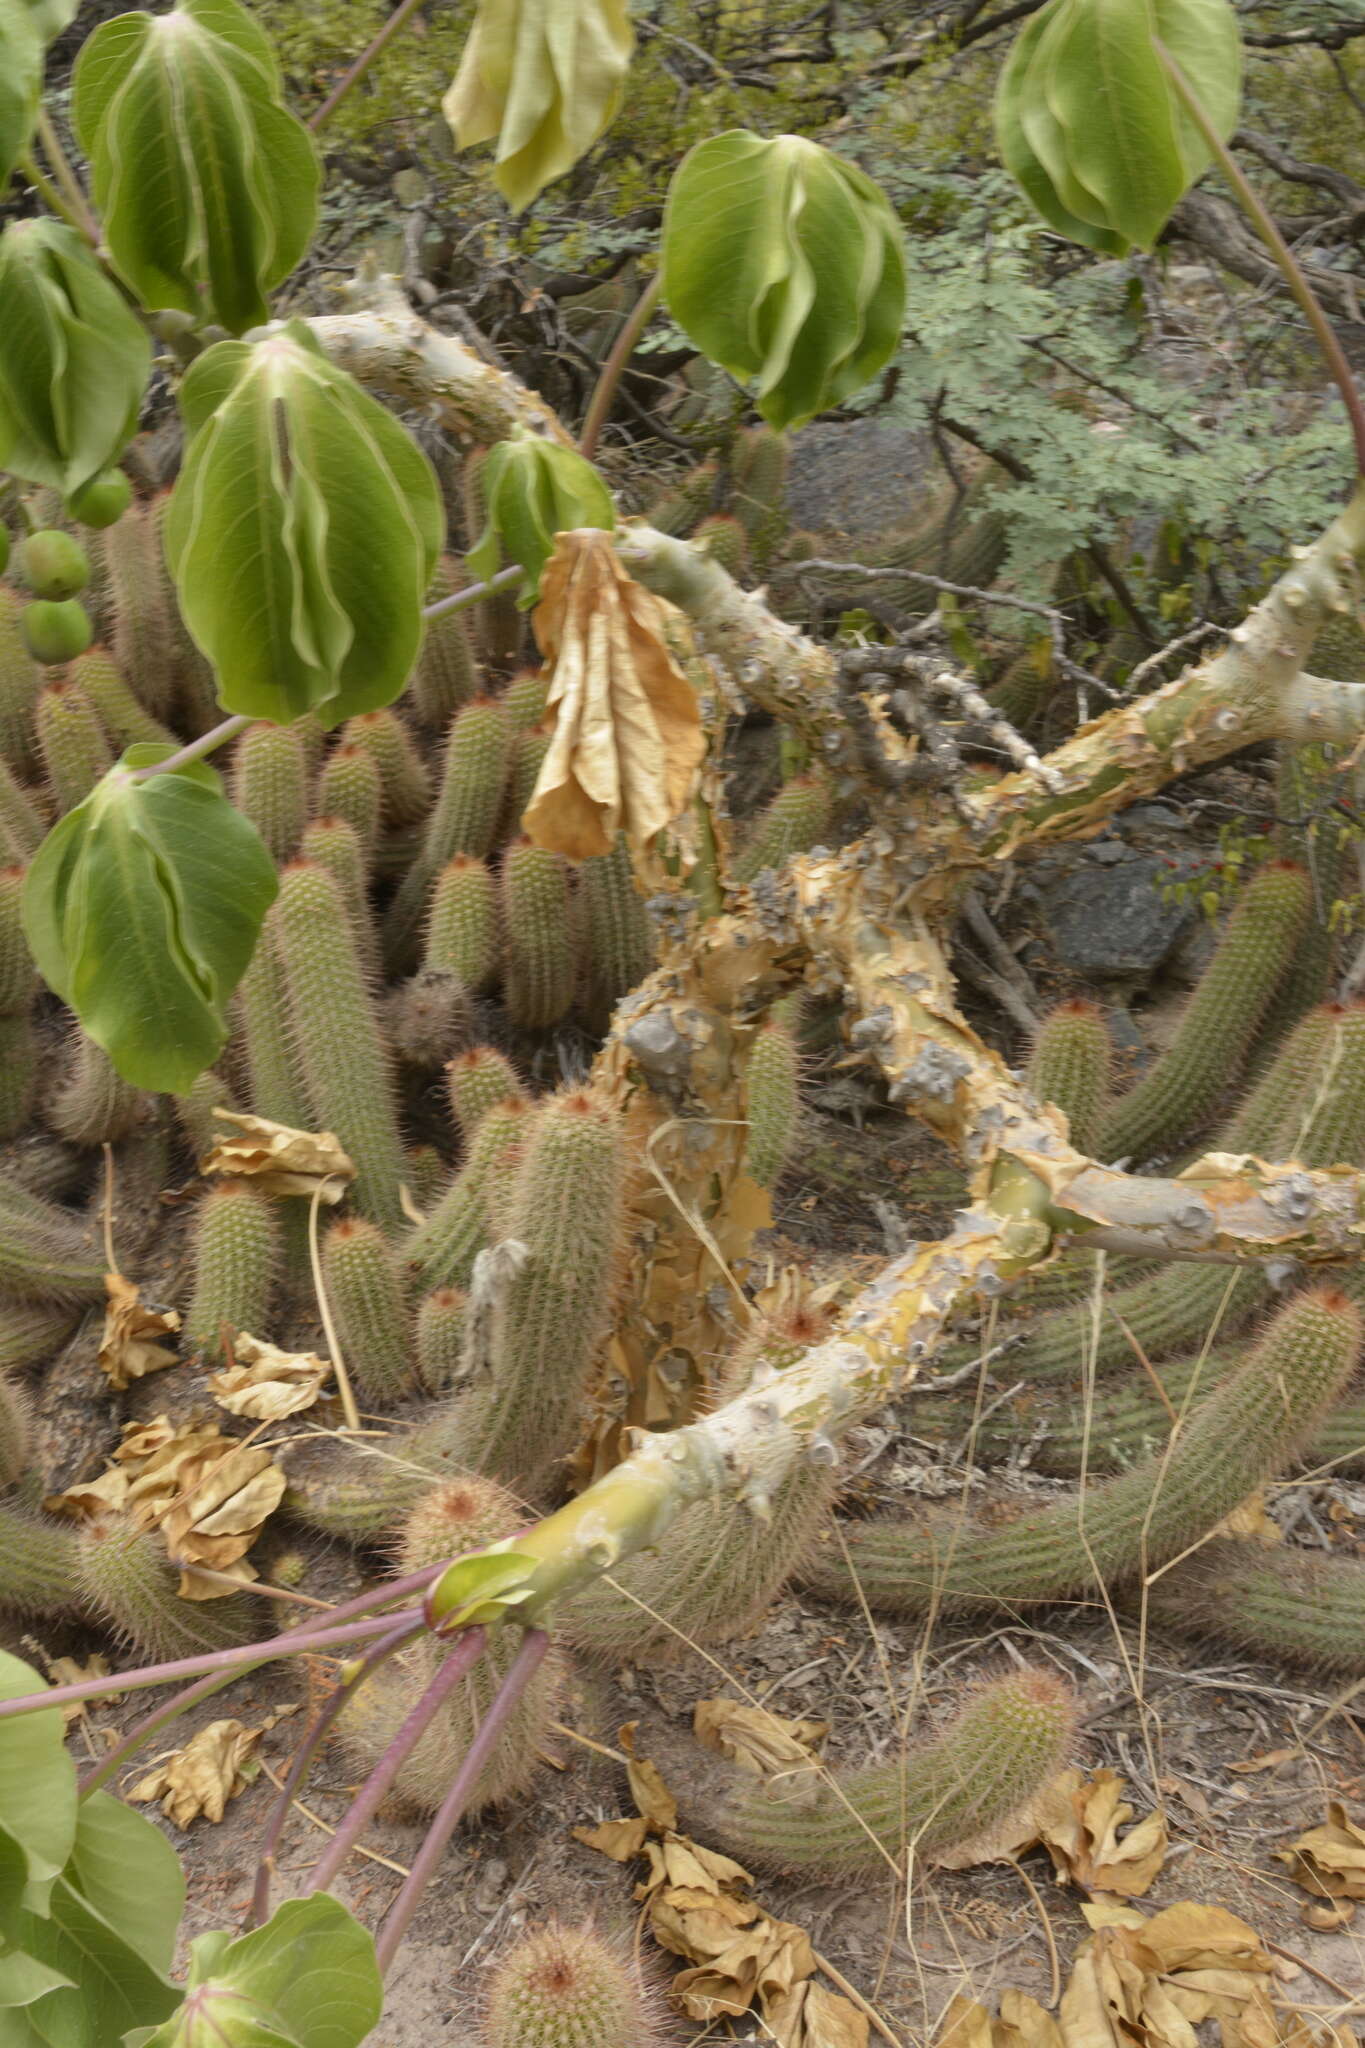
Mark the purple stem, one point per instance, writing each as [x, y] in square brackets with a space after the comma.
[534, 1644]
[366, 1803]
[302, 1762]
[213, 1661]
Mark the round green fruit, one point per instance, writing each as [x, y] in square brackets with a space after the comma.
[56, 632]
[101, 502]
[52, 564]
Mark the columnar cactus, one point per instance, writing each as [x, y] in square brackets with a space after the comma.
[1295, 1606]
[796, 819]
[16, 1441]
[540, 971]
[445, 676]
[39, 1578]
[464, 818]
[270, 785]
[762, 459]
[138, 605]
[462, 927]
[274, 1088]
[125, 718]
[404, 783]
[349, 788]
[525, 700]
[334, 844]
[772, 1103]
[122, 1573]
[20, 681]
[21, 828]
[440, 1338]
[94, 1105]
[71, 743]
[1070, 1065]
[442, 1249]
[46, 1255]
[18, 975]
[365, 1292]
[619, 935]
[236, 1244]
[477, 1081]
[18, 1071]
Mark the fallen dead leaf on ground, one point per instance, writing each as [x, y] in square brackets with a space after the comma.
[698, 1905]
[627, 743]
[267, 1383]
[766, 1745]
[279, 1160]
[1329, 1861]
[71, 1671]
[1078, 1819]
[130, 1347]
[212, 1768]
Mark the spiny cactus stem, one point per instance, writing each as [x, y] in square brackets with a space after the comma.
[302, 1763]
[462, 599]
[522, 1669]
[343, 1379]
[454, 1669]
[194, 750]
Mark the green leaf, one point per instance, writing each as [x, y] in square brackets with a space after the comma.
[481, 1589]
[534, 489]
[142, 909]
[544, 77]
[21, 81]
[110, 1988]
[786, 266]
[50, 17]
[307, 1979]
[1090, 123]
[206, 182]
[73, 359]
[37, 1795]
[127, 1872]
[302, 532]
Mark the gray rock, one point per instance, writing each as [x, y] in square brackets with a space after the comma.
[858, 477]
[1115, 920]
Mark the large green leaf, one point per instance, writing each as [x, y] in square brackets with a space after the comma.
[786, 266]
[545, 78]
[109, 1987]
[126, 1871]
[1091, 124]
[142, 909]
[73, 359]
[37, 1795]
[21, 81]
[534, 489]
[302, 532]
[207, 183]
[50, 17]
[307, 1979]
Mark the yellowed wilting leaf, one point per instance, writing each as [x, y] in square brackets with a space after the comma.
[1021, 2023]
[212, 1768]
[764, 1744]
[279, 1160]
[627, 742]
[809, 2016]
[1251, 1522]
[647, 1787]
[267, 1383]
[1329, 1861]
[130, 1347]
[71, 1671]
[1079, 1818]
[619, 1839]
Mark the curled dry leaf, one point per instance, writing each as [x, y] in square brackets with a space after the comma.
[1329, 1861]
[266, 1383]
[627, 743]
[698, 1905]
[1078, 1818]
[280, 1161]
[130, 1347]
[212, 1768]
[71, 1671]
[208, 1495]
[766, 1745]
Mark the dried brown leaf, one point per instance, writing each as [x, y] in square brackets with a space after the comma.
[1329, 1861]
[627, 742]
[129, 1348]
[766, 1745]
[809, 2016]
[1078, 1818]
[279, 1161]
[71, 1671]
[267, 1383]
[619, 1839]
[212, 1768]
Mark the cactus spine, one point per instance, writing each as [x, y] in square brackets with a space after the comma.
[270, 785]
[194, 1110]
[462, 1515]
[40, 1564]
[32, 1332]
[18, 975]
[122, 1572]
[20, 681]
[1220, 1020]
[342, 1057]
[360, 1273]
[540, 969]
[525, 701]
[1011, 1736]
[442, 1249]
[440, 1338]
[1070, 1066]
[1246, 1429]
[45, 1254]
[404, 784]
[477, 1081]
[273, 1086]
[125, 719]
[334, 844]
[236, 1238]
[564, 1987]
[18, 1071]
[1290, 1605]
[620, 935]
[429, 1018]
[445, 677]
[349, 788]
[21, 828]
[771, 1103]
[71, 742]
[462, 929]
[796, 819]
[568, 1209]
[762, 459]
[142, 631]
[94, 1105]
[464, 818]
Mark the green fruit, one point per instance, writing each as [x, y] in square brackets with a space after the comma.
[102, 502]
[53, 564]
[56, 632]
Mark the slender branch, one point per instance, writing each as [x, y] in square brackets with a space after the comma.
[302, 1762]
[534, 1645]
[194, 750]
[460, 600]
[363, 63]
[599, 406]
[368, 1800]
[68, 183]
[1333, 354]
[343, 1378]
[50, 196]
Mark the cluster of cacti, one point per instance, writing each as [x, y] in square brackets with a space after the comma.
[235, 1238]
[1009, 1738]
[93, 1105]
[1069, 1065]
[1244, 1431]
[360, 1272]
[565, 1987]
[448, 1520]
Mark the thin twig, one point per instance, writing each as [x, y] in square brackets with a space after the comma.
[69, 184]
[599, 405]
[343, 1378]
[362, 63]
[461, 599]
[193, 750]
